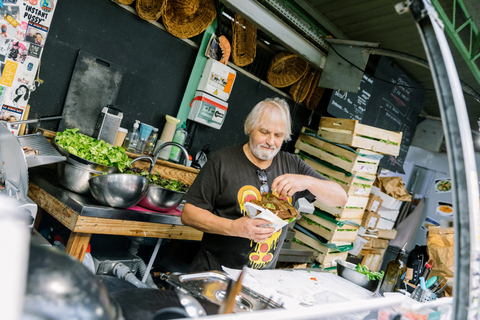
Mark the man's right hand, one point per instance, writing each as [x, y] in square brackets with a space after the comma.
[254, 229]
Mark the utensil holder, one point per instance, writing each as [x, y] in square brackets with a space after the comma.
[423, 295]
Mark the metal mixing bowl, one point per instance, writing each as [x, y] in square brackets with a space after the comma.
[347, 271]
[161, 199]
[75, 178]
[119, 190]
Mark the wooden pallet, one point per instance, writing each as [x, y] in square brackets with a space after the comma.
[331, 231]
[340, 157]
[351, 133]
[353, 209]
[325, 255]
[353, 184]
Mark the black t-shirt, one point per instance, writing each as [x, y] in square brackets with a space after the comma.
[226, 182]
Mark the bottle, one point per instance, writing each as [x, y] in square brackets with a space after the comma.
[166, 136]
[58, 243]
[179, 137]
[88, 260]
[150, 145]
[133, 137]
[394, 273]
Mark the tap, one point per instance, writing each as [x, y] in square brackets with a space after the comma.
[171, 143]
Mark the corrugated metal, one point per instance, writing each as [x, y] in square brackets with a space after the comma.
[377, 21]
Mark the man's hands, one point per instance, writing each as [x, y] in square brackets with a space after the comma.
[254, 229]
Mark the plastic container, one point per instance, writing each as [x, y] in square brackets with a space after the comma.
[88, 260]
[120, 138]
[57, 243]
[145, 131]
[131, 140]
[180, 137]
[150, 145]
[167, 136]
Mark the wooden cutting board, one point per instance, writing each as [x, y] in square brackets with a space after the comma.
[94, 84]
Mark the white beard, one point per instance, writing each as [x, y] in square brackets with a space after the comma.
[262, 154]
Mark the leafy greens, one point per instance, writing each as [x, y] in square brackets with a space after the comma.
[371, 275]
[157, 180]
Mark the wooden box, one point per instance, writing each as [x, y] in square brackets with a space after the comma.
[353, 209]
[372, 258]
[357, 184]
[387, 234]
[375, 243]
[330, 229]
[351, 133]
[325, 255]
[370, 219]
[360, 161]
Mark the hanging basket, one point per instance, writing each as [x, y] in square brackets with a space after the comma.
[244, 41]
[300, 89]
[188, 18]
[286, 69]
[150, 10]
[315, 94]
[125, 2]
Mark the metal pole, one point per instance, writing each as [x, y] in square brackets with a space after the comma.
[461, 159]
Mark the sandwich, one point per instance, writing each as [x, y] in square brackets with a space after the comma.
[280, 207]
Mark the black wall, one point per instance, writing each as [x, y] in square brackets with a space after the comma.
[157, 67]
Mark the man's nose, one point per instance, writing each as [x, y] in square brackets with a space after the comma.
[270, 139]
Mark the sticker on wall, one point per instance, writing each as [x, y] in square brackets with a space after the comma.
[443, 185]
[34, 51]
[36, 33]
[19, 96]
[21, 31]
[444, 209]
[38, 12]
[3, 91]
[18, 51]
[8, 73]
[10, 114]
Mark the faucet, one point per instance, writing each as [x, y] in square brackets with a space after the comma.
[171, 143]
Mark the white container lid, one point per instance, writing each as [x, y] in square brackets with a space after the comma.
[122, 130]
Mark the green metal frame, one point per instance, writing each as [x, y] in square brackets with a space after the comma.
[470, 51]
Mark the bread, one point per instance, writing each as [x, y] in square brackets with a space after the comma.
[281, 208]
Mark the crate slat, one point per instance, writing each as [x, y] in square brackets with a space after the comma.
[325, 255]
[353, 209]
[329, 230]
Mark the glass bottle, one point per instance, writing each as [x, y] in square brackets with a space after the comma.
[132, 138]
[179, 137]
[150, 145]
[394, 272]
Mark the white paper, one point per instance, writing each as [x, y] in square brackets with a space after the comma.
[266, 214]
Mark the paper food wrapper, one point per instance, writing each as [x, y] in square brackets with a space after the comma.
[440, 245]
[275, 222]
[393, 186]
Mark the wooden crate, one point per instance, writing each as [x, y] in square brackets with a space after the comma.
[351, 133]
[358, 184]
[372, 258]
[375, 243]
[325, 254]
[363, 161]
[333, 231]
[353, 209]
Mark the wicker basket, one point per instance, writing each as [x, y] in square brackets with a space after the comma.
[315, 94]
[244, 41]
[301, 88]
[126, 2]
[286, 69]
[188, 18]
[150, 10]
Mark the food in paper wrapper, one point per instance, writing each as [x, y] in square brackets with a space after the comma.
[281, 208]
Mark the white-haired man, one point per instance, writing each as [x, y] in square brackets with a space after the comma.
[236, 175]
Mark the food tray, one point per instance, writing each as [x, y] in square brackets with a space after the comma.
[46, 152]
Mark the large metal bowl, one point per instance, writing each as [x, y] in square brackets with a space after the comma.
[75, 178]
[347, 271]
[161, 199]
[118, 190]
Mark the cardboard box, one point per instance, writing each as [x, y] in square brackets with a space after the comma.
[376, 243]
[387, 234]
[370, 220]
[390, 214]
[385, 224]
[374, 203]
[387, 201]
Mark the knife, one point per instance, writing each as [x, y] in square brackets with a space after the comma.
[233, 289]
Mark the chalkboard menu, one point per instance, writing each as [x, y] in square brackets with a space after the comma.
[388, 100]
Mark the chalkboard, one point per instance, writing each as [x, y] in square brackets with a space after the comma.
[394, 103]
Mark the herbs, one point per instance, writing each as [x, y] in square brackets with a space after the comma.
[92, 150]
[157, 180]
[371, 275]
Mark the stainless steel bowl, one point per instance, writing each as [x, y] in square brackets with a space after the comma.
[347, 271]
[119, 190]
[161, 199]
[75, 178]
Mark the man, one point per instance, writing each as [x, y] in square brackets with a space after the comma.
[236, 175]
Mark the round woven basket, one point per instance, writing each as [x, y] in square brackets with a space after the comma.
[188, 18]
[150, 10]
[286, 69]
[315, 94]
[244, 41]
[126, 2]
[301, 88]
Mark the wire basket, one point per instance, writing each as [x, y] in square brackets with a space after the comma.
[188, 18]
[423, 295]
[286, 69]
[244, 41]
[126, 2]
[150, 10]
[300, 89]
[316, 92]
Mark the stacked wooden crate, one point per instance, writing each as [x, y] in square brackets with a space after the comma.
[349, 153]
